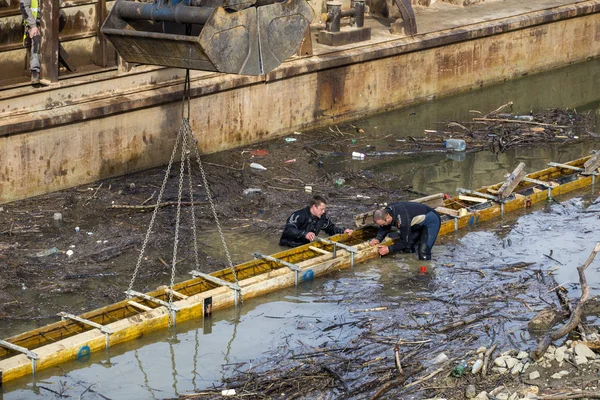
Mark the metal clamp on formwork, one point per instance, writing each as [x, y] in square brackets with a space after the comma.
[588, 170]
[291, 266]
[233, 286]
[334, 35]
[104, 329]
[172, 309]
[351, 249]
[30, 354]
[548, 185]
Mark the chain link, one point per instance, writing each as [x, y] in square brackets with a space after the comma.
[194, 230]
[156, 207]
[185, 133]
[214, 211]
[185, 127]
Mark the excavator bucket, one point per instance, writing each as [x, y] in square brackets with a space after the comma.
[250, 41]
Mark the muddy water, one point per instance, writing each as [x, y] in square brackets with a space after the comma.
[554, 236]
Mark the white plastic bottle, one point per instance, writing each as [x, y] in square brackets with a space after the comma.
[455, 144]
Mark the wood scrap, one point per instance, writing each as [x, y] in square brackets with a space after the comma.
[512, 181]
[575, 315]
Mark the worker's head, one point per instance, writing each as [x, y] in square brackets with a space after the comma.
[381, 217]
[317, 206]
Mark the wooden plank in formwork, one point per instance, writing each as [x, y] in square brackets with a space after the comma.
[472, 199]
[591, 166]
[447, 211]
[512, 181]
[433, 201]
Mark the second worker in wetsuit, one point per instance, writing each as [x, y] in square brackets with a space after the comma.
[304, 225]
[418, 226]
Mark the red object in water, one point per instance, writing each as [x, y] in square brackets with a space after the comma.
[259, 152]
[423, 269]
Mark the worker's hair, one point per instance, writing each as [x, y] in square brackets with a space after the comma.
[380, 214]
[315, 201]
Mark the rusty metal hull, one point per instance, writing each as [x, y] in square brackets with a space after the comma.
[123, 123]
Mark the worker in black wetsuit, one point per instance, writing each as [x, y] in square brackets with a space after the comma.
[418, 226]
[304, 225]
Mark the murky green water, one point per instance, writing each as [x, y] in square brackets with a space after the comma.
[200, 353]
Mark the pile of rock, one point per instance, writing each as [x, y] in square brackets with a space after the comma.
[556, 363]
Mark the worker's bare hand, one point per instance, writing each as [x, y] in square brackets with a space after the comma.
[374, 242]
[310, 236]
[383, 250]
[34, 31]
[348, 231]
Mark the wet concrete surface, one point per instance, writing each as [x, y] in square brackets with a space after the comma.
[484, 263]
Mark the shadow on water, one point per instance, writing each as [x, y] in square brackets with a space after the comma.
[496, 261]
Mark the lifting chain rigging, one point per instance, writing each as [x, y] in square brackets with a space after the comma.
[186, 137]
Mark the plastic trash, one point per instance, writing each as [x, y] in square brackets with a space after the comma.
[257, 166]
[340, 182]
[228, 392]
[293, 160]
[455, 144]
[69, 253]
[440, 359]
[477, 366]
[23, 287]
[259, 152]
[524, 117]
[358, 156]
[353, 141]
[57, 216]
[250, 191]
[458, 156]
[460, 369]
[48, 252]
[308, 189]
[290, 139]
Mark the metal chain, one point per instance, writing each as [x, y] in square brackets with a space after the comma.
[184, 126]
[214, 211]
[189, 167]
[156, 207]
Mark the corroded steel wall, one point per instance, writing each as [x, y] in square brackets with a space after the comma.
[129, 134]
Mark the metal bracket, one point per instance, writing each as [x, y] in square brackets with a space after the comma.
[221, 282]
[104, 329]
[352, 250]
[30, 354]
[553, 164]
[172, 309]
[545, 184]
[291, 266]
